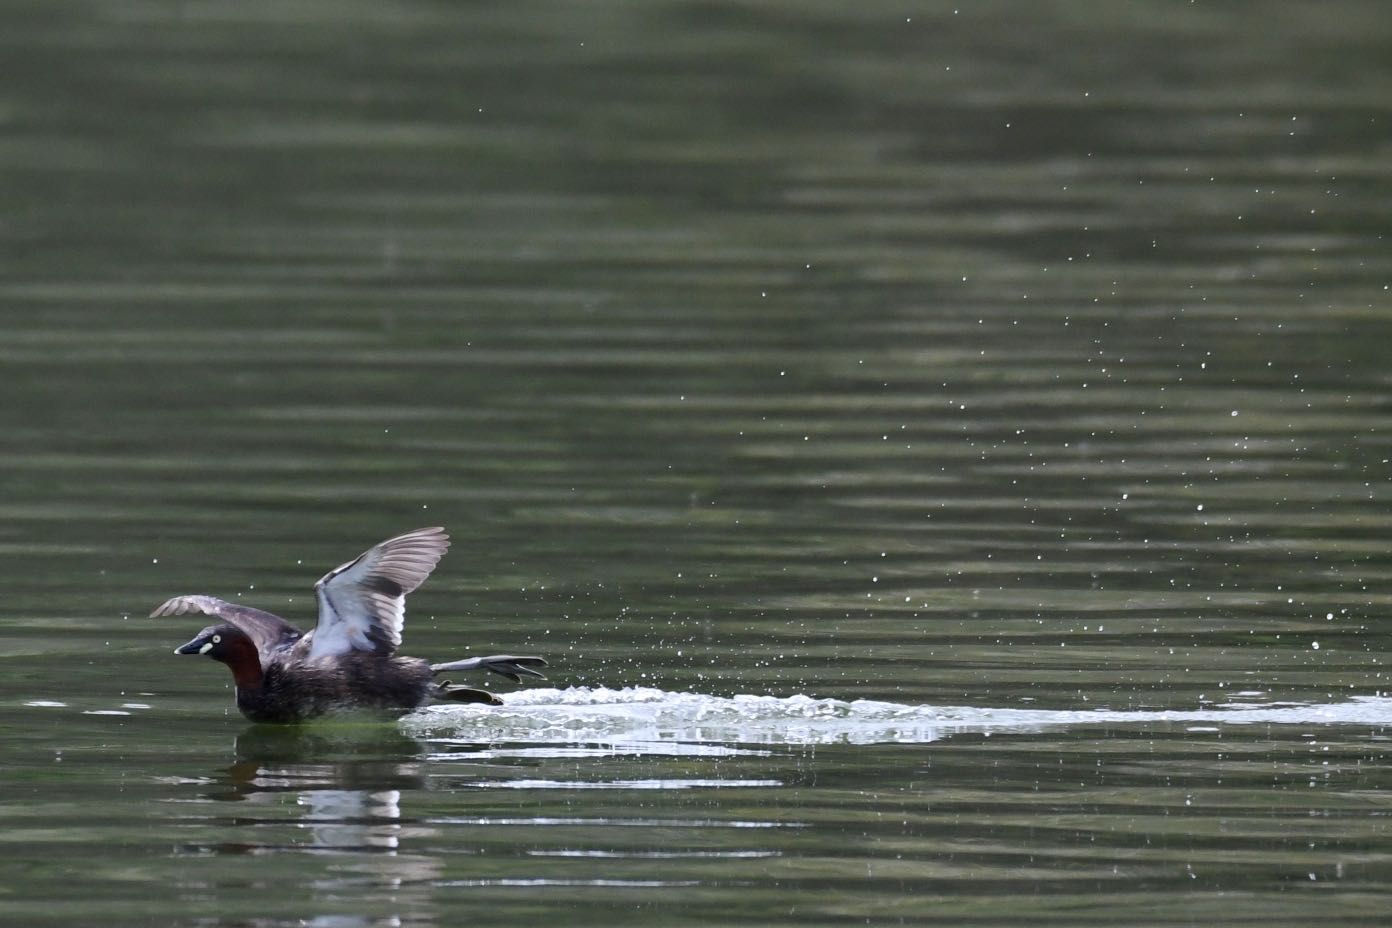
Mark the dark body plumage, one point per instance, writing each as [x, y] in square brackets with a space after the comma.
[295, 690]
[348, 662]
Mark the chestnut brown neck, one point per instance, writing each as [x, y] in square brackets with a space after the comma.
[240, 655]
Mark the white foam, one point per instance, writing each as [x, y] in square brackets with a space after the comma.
[644, 715]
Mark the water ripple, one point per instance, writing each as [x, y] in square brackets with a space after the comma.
[635, 715]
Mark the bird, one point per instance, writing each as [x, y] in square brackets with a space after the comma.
[348, 661]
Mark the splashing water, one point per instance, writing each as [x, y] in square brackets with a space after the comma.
[643, 714]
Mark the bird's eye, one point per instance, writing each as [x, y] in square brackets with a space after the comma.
[217, 639]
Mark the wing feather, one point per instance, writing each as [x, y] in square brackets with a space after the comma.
[266, 630]
[362, 604]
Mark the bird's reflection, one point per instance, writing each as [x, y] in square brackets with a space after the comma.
[321, 759]
[345, 787]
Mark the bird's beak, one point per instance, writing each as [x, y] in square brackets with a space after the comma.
[193, 647]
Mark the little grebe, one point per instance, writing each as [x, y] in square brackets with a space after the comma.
[348, 661]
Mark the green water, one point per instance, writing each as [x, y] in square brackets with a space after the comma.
[973, 360]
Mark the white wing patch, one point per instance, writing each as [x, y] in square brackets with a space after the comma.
[362, 604]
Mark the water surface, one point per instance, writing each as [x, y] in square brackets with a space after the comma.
[941, 451]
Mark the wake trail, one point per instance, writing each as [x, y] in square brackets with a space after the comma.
[577, 715]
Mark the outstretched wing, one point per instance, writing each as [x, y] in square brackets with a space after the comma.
[266, 631]
[362, 605]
